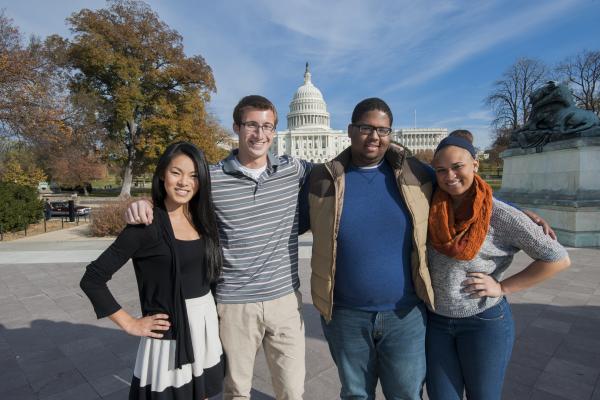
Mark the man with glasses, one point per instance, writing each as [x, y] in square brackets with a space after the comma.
[256, 200]
[370, 282]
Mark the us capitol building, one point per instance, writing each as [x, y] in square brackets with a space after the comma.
[310, 137]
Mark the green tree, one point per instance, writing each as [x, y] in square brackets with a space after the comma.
[151, 92]
[19, 206]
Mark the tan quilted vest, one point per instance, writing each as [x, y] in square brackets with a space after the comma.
[326, 199]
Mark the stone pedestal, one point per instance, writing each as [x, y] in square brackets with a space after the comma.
[561, 183]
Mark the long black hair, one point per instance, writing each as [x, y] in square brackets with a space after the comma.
[200, 207]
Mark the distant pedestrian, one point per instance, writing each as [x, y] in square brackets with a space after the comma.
[47, 209]
[472, 240]
[176, 259]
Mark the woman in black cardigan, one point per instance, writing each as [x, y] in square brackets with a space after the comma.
[176, 259]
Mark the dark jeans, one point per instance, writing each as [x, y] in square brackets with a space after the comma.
[389, 346]
[469, 354]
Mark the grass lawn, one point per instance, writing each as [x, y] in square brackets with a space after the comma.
[111, 180]
[116, 190]
[111, 186]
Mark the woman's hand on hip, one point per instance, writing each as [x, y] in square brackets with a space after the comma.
[148, 326]
[479, 285]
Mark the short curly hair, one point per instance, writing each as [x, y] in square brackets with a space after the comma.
[371, 104]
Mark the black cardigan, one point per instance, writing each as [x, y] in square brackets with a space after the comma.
[158, 276]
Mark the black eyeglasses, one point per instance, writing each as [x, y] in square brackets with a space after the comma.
[254, 126]
[368, 129]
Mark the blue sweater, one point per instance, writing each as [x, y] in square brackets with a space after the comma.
[373, 270]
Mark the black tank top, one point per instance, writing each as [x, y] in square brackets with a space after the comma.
[191, 262]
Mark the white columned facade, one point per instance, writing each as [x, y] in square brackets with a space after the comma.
[420, 139]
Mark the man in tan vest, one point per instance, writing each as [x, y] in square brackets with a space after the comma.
[369, 283]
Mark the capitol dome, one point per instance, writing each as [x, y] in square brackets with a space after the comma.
[308, 109]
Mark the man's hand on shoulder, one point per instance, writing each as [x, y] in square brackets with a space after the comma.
[139, 212]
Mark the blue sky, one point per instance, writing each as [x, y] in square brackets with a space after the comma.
[439, 58]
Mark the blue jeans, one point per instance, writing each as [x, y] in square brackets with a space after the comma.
[389, 346]
[469, 353]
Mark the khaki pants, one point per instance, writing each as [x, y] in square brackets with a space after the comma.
[278, 326]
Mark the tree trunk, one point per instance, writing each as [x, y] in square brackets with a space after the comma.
[127, 180]
[128, 175]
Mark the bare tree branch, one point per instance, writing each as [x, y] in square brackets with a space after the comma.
[509, 99]
[582, 74]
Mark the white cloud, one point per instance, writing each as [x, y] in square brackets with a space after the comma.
[384, 47]
[467, 37]
[475, 116]
[484, 115]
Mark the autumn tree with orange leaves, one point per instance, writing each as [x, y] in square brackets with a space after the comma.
[78, 154]
[48, 130]
[26, 86]
[150, 92]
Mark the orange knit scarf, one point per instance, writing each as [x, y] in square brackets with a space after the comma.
[460, 233]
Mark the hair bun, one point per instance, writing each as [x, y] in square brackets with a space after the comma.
[463, 133]
[458, 141]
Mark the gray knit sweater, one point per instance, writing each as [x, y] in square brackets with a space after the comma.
[510, 231]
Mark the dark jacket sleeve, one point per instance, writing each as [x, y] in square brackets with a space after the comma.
[431, 173]
[304, 211]
[304, 218]
[100, 271]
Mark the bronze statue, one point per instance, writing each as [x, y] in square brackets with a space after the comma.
[554, 117]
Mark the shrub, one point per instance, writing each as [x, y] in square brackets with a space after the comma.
[108, 219]
[19, 206]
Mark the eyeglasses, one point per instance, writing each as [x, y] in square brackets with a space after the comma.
[368, 129]
[254, 126]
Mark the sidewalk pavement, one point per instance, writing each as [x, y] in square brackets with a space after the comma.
[53, 347]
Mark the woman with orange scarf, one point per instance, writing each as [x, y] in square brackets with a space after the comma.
[472, 240]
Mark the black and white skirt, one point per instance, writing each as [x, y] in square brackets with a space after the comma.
[155, 376]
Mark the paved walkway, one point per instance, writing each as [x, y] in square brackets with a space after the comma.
[52, 346]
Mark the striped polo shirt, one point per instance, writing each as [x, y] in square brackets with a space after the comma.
[258, 228]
